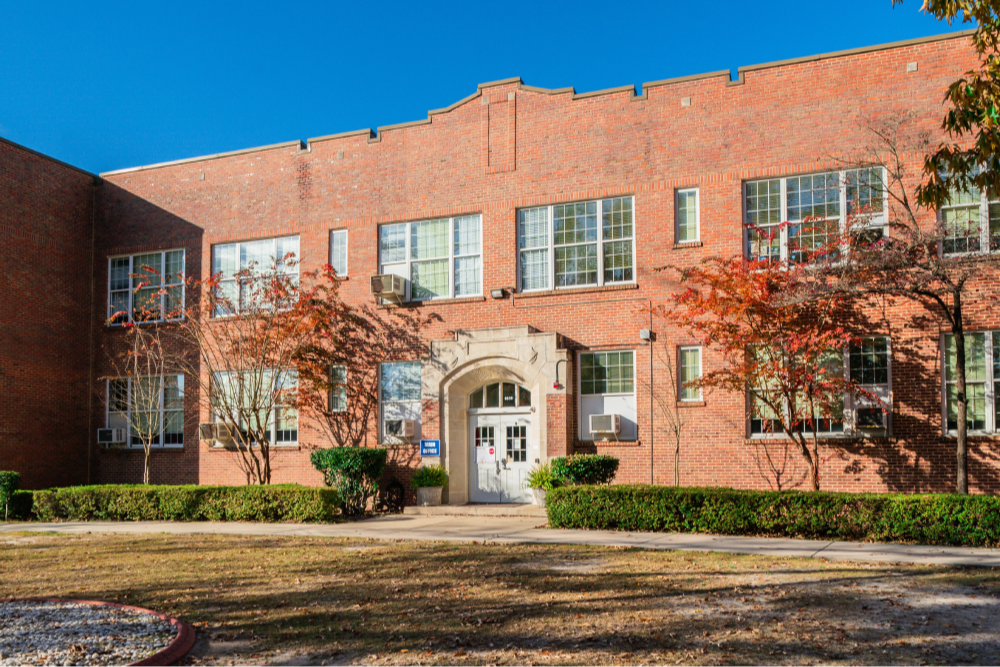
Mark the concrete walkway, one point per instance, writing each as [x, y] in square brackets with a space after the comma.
[532, 530]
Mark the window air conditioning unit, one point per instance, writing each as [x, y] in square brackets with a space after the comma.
[388, 286]
[110, 436]
[870, 419]
[224, 434]
[606, 424]
[401, 428]
[208, 431]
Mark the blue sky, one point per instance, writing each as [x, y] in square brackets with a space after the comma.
[110, 85]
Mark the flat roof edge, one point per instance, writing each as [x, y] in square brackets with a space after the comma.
[203, 158]
[50, 158]
[863, 49]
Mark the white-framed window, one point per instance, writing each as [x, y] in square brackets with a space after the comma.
[971, 223]
[260, 255]
[147, 405]
[500, 396]
[146, 288]
[338, 389]
[338, 251]
[399, 391]
[438, 259]
[243, 389]
[815, 207]
[688, 216]
[982, 381]
[578, 244]
[868, 364]
[607, 386]
[689, 363]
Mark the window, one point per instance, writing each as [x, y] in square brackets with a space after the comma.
[258, 256]
[148, 406]
[816, 208]
[971, 222]
[338, 392]
[574, 245]
[982, 381]
[438, 258]
[147, 287]
[247, 396]
[400, 394]
[338, 251]
[868, 364]
[607, 386]
[500, 395]
[688, 216]
[690, 371]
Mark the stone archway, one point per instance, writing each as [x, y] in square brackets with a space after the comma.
[474, 358]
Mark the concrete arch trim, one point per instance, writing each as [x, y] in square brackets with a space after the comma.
[454, 390]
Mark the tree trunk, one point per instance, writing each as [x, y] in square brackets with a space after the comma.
[145, 465]
[815, 460]
[677, 463]
[962, 447]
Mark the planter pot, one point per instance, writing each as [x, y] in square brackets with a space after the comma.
[538, 496]
[429, 496]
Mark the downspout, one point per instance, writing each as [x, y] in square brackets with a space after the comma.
[652, 388]
[90, 372]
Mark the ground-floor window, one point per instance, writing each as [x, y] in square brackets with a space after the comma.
[982, 380]
[607, 389]
[151, 409]
[399, 389]
[254, 399]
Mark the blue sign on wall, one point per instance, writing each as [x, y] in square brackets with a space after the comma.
[430, 448]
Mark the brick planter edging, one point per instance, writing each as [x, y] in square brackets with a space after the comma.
[173, 652]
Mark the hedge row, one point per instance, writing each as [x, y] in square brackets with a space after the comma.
[179, 503]
[956, 520]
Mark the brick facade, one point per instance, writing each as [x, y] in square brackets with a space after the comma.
[511, 145]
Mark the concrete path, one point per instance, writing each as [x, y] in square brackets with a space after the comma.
[532, 530]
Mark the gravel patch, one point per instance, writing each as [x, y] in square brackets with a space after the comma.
[68, 633]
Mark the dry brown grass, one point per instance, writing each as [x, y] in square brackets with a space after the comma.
[320, 600]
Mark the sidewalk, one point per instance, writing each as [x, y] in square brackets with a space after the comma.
[532, 530]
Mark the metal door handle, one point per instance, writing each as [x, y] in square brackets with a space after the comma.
[498, 467]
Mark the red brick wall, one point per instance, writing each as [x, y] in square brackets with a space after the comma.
[540, 147]
[45, 252]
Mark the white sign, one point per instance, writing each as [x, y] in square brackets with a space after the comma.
[486, 454]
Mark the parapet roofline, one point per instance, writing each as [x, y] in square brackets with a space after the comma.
[97, 179]
[375, 135]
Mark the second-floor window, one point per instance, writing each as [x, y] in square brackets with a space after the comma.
[439, 259]
[688, 221]
[971, 222]
[259, 256]
[816, 209]
[338, 251]
[147, 287]
[576, 245]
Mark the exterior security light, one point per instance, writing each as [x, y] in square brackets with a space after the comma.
[498, 293]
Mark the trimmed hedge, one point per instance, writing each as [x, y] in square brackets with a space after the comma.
[955, 520]
[114, 502]
[585, 468]
[19, 508]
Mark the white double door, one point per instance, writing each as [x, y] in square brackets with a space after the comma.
[501, 456]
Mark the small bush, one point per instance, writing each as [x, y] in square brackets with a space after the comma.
[430, 476]
[9, 481]
[19, 506]
[585, 468]
[956, 520]
[113, 502]
[353, 471]
[542, 477]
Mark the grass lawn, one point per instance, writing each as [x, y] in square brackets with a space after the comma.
[297, 600]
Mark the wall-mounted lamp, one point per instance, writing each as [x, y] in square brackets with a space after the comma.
[498, 293]
[646, 335]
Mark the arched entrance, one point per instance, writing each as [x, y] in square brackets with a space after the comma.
[502, 448]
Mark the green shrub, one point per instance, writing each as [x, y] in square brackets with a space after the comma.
[542, 477]
[9, 481]
[957, 520]
[113, 502]
[585, 468]
[353, 471]
[433, 475]
[19, 505]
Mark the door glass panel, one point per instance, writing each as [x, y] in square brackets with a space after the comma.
[509, 395]
[484, 436]
[493, 396]
[517, 444]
